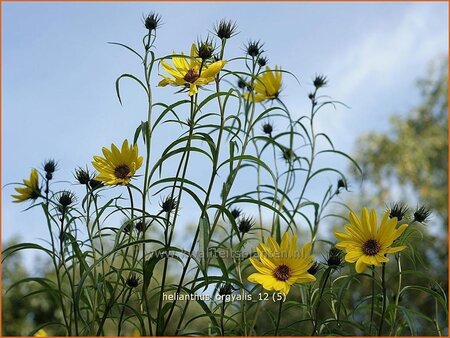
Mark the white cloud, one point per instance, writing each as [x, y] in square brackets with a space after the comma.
[375, 75]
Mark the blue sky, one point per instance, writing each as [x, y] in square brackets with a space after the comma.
[59, 72]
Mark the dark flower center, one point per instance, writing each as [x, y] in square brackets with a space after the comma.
[191, 76]
[371, 247]
[282, 272]
[122, 171]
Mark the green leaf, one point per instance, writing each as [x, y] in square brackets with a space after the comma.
[204, 227]
[24, 246]
[127, 47]
[131, 77]
[149, 267]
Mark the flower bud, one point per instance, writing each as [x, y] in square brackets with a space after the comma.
[225, 29]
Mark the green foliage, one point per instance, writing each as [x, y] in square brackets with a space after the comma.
[120, 277]
[415, 150]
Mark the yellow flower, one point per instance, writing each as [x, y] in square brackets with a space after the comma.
[117, 166]
[136, 333]
[280, 266]
[267, 85]
[366, 244]
[189, 72]
[41, 333]
[31, 191]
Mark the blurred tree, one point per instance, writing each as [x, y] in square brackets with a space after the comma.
[21, 315]
[415, 152]
[409, 163]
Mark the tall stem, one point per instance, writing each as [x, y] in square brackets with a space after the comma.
[372, 306]
[148, 139]
[397, 296]
[322, 289]
[279, 317]
[383, 308]
[119, 327]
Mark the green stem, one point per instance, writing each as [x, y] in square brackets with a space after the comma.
[373, 300]
[325, 277]
[183, 165]
[119, 327]
[57, 269]
[108, 308]
[94, 257]
[63, 264]
[383, 308]
[436, 323]
[222, 327]
[397, 296]
[311, 161]
[148, 139]
[279, 317]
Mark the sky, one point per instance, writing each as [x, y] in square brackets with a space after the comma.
[58, 72]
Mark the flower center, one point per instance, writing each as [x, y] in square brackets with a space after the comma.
[122, 171]
[371, 247]
[282, 272]
[191, 76]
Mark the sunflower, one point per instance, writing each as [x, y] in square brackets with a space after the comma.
[267, 85]
[190, 71]
[281, 265]
[31, 191]
[366, 244]
[117, 166]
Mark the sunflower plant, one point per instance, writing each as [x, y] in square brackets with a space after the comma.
[261, 258]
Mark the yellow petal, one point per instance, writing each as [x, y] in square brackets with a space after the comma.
[169, 69]
[193, 89]
[165, 81]
[396, 249]
[261, 267]
[213, 69]
[360, 265]
[353, 256]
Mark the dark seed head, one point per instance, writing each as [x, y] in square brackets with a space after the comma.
[422, 215]
[282, 272]
[320, 81]
[225, 289]
[254, 48]
[82, 176]
[267, 128]
[49, 168]
[314, 268]
[205, 49]
[288, 155]
[262, 61]
[371, 247]
[399, 210]
[342, 184]
[122, 171]
[335, 258]
[245, 224]
[225, 29]
[169, 204]
[66, 198]
[132, 281]
[152, 21]
[236, 212]
[241, 84]
[141, 226]
[94, 184]
[191, 76]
